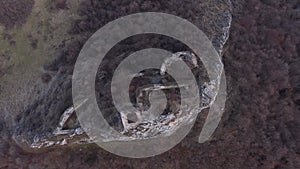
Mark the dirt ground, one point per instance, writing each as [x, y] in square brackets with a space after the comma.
[261, 124]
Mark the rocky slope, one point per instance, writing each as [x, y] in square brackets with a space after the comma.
[260, 127]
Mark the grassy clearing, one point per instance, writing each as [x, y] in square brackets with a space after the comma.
[34, 44]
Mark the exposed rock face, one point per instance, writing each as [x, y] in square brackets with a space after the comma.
[14, 12]
[261, 124]
[42, 117]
